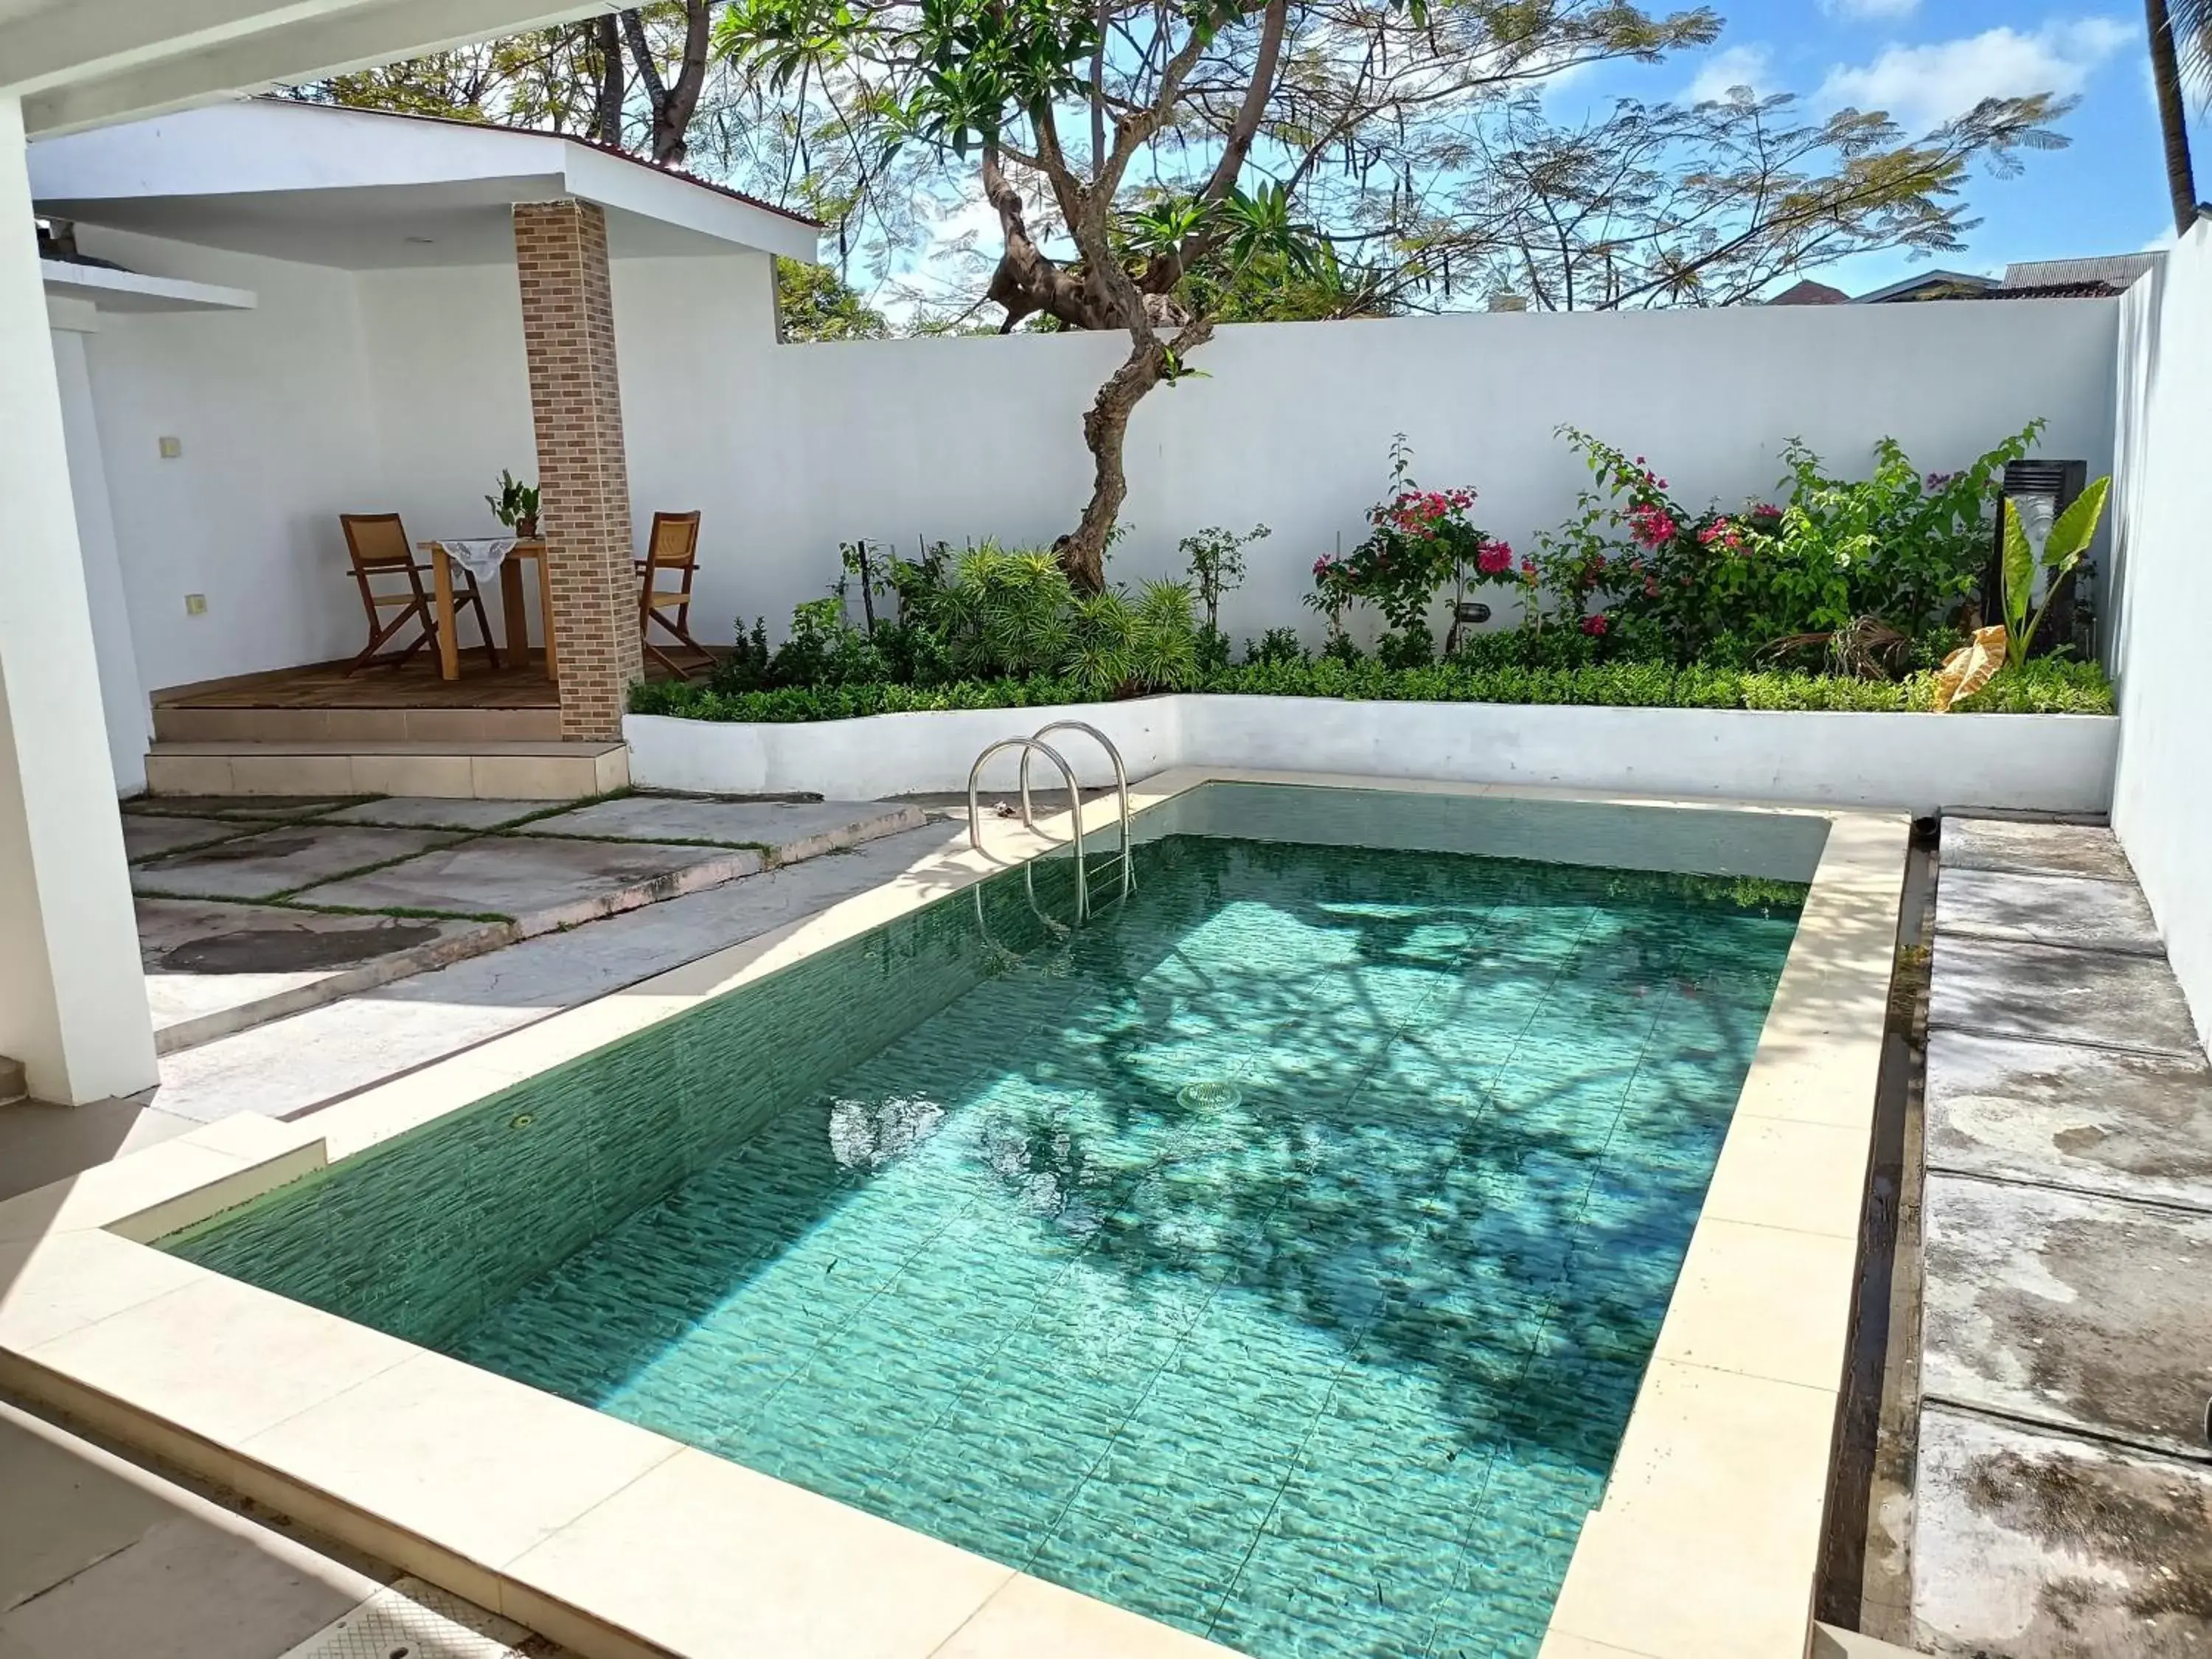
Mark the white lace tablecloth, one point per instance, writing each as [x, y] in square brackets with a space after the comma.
[480, 555]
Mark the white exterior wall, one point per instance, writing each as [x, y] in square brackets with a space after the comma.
[272, 409]
[1919, 763]
[2162, 595]
[789, 450]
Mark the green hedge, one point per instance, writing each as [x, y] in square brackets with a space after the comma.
[2045, 686]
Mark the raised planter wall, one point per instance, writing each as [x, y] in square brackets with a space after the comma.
[1919, 763]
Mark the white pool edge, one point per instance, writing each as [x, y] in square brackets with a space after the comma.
[620, 1542]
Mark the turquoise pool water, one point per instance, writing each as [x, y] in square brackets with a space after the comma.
[1278, 1257]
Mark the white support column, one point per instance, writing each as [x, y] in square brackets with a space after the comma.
[72, 997]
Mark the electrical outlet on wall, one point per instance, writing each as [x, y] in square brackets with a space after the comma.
[172, 447]
[196, 604]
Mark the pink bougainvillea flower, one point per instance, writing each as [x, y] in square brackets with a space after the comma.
[1594, 624]
[1650, 587]
[1494, 560]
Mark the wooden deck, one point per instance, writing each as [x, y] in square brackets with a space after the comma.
[321, 702]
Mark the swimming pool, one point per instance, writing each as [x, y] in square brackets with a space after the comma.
[1277, 1256]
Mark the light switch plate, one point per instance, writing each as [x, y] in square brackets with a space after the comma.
[196, 604]
[172, 447]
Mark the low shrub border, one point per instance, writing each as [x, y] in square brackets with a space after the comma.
[2041, 686]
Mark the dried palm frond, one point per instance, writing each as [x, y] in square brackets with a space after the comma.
[1971, 667]
[1866, 648]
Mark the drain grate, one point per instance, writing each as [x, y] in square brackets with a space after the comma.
[412, 1620]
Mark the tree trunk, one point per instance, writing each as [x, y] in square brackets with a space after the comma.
[1105, 431]
[2172, 116]
[606, 34]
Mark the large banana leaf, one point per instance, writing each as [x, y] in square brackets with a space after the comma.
[2019, 568]
[2077, 528]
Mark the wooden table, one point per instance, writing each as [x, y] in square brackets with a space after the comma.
[510, 588]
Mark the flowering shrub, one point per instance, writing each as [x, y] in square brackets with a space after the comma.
[1634, 565]
[1420, 541]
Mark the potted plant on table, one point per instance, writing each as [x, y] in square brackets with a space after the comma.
[515, 506]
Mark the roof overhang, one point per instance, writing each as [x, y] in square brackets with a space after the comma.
[82, 63]
[363, 191]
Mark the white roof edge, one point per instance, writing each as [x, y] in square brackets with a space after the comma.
[234, 149]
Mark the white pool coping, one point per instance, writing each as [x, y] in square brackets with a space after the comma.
[617, 1542]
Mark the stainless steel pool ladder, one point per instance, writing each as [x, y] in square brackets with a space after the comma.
[1034, 745]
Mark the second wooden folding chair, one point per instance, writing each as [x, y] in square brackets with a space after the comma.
[378, 545]
[672, 550]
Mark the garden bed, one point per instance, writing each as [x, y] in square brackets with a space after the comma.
[1885, 756]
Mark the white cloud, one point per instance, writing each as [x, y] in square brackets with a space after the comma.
[1926, 85]
[1869, 8]
[1729, 68]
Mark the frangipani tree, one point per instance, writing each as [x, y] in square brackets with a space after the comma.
[1143, 158]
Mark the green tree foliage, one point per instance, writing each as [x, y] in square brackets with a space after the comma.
[813, 302]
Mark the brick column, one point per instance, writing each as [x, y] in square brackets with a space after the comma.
[569, 334]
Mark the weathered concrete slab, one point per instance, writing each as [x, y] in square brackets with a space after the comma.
[234, 806]
[146, 836]
[427, 813]
[539, 882]
[786, 831]
[279, 859]
[213, 968]
[295, 1065]
[2033, 1546]
[2041, 849]
[2083, 1313]
[2062, 910]
[1998, 988]
[2095, 1120]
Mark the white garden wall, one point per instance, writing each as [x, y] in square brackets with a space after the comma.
[2161, 603]
[1916, 762]
[271, 410]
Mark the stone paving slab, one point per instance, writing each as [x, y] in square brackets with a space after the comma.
[788, 830]
[295, 1065]
[2000, 987]
[2030, 848]
[2077, 911]
[278, 859]
[234, 806]
[2085, 1314]
[427, 813]
[2094, 1120]
[148, 836]
[539, 882]
[2036, 1546]
[213, 968]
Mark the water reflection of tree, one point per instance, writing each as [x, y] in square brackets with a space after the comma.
[1433, 1242]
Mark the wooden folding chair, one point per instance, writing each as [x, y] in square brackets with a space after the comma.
[673, 547]
[377, 542]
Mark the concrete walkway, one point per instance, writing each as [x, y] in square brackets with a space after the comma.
[2063, 1502]
[253, 908]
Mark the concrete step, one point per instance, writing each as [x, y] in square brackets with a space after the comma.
[188, 723]
[484, 769]
[12, 1086]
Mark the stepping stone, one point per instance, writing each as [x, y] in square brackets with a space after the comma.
[234, 806]
[542, 883]
[147, 836]
[425, 812]
[1996, 988]
[275, 860]
[213, 969]
[2059, 910]
[2092, 1119]
[2040, 849]
[2085, 1314]
[790, 830]
[2036, 1546]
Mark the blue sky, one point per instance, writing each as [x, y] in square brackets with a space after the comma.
[1923, 60]
[1927, 59]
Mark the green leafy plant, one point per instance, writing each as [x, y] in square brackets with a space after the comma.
[2043, 685]
[514, 502]
[1419, 541]
[2068, 541]
[1215, 558]
[1277, 645]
